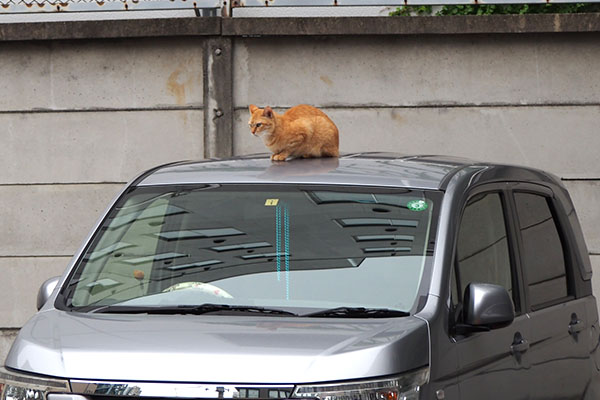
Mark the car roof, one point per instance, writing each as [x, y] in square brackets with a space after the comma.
[367, 169]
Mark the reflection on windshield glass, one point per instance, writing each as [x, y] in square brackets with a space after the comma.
[272, 246]
[198, 233]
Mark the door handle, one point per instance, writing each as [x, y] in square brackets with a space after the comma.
[576, 327]
[520, 347]
[519, 344]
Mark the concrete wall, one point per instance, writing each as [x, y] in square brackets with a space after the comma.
[79, 118]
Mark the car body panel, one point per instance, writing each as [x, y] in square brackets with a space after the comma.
[489, 369]
[217, 348]
[288, 350]
[559, 353]
[396, 172]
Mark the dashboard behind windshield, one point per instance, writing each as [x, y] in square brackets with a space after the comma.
[279, 246]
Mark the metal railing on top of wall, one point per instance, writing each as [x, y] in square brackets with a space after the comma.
[317, 3]
[201, 7]
[224, 7]
[303, 4]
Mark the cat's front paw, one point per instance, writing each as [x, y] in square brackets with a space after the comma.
[278, 157]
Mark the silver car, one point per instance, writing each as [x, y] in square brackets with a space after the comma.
[364, 277]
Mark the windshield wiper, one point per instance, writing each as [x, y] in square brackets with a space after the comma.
[195, 310]
[358, 312]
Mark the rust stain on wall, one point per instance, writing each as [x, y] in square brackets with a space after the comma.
[396, 116]
[326, 79]
[176, 87]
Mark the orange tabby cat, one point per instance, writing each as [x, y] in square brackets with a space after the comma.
[302, 131]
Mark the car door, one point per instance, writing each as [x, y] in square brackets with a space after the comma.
[493, 364]
[559, 337]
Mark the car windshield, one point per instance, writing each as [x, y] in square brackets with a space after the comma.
[286, 247]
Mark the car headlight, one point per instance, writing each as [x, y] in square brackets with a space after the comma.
[17, 386]
[404, 387]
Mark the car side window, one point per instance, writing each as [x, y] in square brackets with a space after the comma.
[482, 253]
[542, 250]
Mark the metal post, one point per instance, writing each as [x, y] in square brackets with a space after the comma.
[218, 98]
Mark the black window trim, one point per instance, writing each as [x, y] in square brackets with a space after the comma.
[560, 224]
[503, 189]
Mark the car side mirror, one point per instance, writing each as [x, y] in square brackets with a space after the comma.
[487, 306]
[46, 290]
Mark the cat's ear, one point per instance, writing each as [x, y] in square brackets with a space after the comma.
[268, 112]
[252, 108]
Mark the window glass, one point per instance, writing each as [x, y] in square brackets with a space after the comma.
[454, 288]
[279, 394]
[482, 250]
[249, 393]
[279, 246]
[543, 255]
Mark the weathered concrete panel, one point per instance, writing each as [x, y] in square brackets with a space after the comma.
[7, 337]
[19, 286]
[416, 70]
[95, 146]
[65, 26]
[562, 140]
[173, 23]
[586, 197]
[127, 74]
[296, 25]
[50, 220]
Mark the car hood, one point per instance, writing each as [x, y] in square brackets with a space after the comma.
[217, 348]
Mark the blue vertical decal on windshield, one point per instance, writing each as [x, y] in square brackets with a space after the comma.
[286, 217]
[278, 240]
[285, 223]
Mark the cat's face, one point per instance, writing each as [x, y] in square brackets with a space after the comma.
[261, 121]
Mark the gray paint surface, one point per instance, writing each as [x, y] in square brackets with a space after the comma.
[326, 170]
[282, 344]
[81, 114]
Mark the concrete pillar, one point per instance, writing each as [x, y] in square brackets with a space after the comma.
[218, 101]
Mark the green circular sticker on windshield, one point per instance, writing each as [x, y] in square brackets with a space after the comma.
[417, 205]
